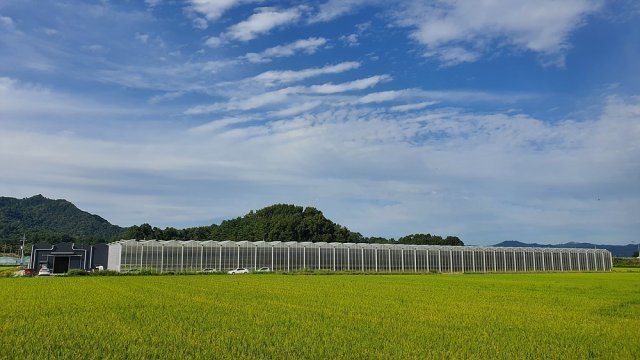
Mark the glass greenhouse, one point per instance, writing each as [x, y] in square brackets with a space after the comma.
[193, 256]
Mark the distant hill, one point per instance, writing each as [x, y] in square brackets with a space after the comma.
[280, 222]
[616, 250]
[51, 220]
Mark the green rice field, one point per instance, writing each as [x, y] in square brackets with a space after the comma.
[491, 316]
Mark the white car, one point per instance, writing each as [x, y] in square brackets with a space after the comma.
[44, 271]
[238, 271]
[264, 269]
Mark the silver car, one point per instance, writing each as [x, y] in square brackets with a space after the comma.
[44, 271]
[238, 271]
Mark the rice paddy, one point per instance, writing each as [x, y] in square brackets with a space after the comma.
[494, 316]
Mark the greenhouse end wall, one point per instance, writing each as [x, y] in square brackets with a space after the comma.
[195, 256]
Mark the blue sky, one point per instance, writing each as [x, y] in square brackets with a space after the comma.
[491, 120]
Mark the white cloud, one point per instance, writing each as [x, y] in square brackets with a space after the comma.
[268, 98]
[308, 46]
[459, 31]
[219, 124]
[200, 23]
[247, 103]
[297, 109]
[412, 107]
[165, 97]
[359, 84]
[273, 77]
[262, 22]
[350, 40]
[451, 56]
[214, 42]
[143, 38]
[381, 96]
[178, 77]
[212, 10]
[6, 21]
[333, 9]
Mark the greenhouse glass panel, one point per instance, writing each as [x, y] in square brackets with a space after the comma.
[193, 256]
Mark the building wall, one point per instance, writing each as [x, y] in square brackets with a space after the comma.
[114, 257]
[99, 256]
[80, 256]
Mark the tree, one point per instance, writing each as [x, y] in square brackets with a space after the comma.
[428, 239]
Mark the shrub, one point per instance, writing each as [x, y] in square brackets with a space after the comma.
[105, 273]
[77, 272]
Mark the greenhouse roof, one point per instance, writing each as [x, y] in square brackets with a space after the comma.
[245, 243]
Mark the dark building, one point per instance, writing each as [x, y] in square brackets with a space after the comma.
[60, 258]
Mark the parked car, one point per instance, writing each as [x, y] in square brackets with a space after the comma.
[238, 271]
[44, 271]
[264, 269]
[208, 270]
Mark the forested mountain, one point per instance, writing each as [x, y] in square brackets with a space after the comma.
[51, 220]
[42, 219]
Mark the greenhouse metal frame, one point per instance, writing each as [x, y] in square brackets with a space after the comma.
[194, 256]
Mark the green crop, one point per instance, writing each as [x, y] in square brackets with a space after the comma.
[490, 316]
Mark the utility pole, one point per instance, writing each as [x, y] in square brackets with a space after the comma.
[24, 238]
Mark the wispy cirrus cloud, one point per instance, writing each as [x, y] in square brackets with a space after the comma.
[174, 77]
[261, 22]
[307, 46]
[381, 96]
[152, 3]
[273, 77]
[282, 95]
[247, 103]
[212, 10]
[333, 9]
[359, 84]
[413, 106]
[297, 109]
[21, 100]
[219, 124]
